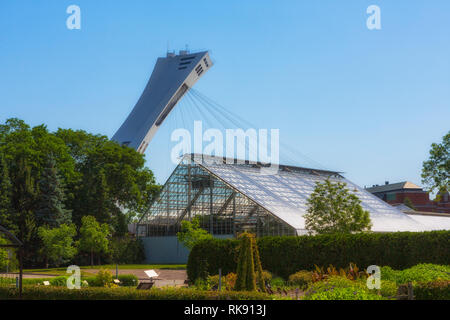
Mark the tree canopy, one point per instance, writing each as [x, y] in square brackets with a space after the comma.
[332, 208]
[436, 170]
[51, 178]
[58, 245]
[191, 233]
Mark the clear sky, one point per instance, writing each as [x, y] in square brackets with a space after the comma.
[367, 103]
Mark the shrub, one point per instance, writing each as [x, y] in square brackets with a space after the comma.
[62, 293]
[286, 255]
[388, 288]
[277, 282]
[342, 294]
[435, 290]
[103, 278]
[230, 281]
[340, 288]
[419, 273]
[128, 280]
[301, 278]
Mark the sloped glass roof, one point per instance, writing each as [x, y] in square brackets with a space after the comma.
[285, 193]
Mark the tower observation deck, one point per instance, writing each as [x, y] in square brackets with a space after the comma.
[171, 78]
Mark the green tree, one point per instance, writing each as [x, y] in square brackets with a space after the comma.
[113, 180]
[93, 237]
[58, 244]
[191, 233]
[50, 203]
[332, 208]
[23, 200]
[6, 212]
[436, 170]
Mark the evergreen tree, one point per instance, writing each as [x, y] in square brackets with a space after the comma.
[50, 204]
[247, 262]
[6, 213]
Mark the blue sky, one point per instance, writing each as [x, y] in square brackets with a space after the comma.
[367, 103]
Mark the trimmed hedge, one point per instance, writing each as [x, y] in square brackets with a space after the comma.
[284, 256]
[61, 293]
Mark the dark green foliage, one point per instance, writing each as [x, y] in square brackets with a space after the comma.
[246, 277]
[50, 209]
[284, 256]
[435, 290]
[44, 175]
[126, 250]
[219, 253]
[6, 210]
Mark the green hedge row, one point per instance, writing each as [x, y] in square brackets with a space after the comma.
[436, 290]
[284, 256]
[61, 293]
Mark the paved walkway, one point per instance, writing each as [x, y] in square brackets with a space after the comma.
[165, 277]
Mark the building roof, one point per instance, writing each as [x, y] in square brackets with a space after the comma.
[393, 187]
[285, 193]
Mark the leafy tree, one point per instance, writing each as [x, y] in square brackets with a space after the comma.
[6, 213]
[332, 208]
[436, 170]
[58, 245]
[93, 237]
[50, 204]
[113, 179]
[191, 233]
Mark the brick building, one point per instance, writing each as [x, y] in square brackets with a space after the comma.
[397, 193]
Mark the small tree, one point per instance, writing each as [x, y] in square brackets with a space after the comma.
[248, 261]
[58, 245]
[332, 208]
[436, 170]
[93, 237]
[191, 233]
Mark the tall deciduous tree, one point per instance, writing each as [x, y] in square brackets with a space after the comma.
[50, 208]
[332, 208]
[436, 170]
[58, 244]
[94, 237]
